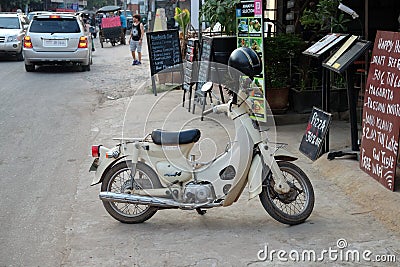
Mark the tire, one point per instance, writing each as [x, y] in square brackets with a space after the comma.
[117, 178]
[29, 68]
[20, 56]
[281, 207]
[85, 67]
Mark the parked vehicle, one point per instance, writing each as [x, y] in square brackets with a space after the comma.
[12, 31]
[129, 18]
[34, 13]
[57, 39]
[142, 175]
[111, 29]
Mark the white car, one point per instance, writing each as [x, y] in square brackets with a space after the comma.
[12, 31]
[57, 39]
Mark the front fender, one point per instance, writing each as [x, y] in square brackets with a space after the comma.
[255, 177]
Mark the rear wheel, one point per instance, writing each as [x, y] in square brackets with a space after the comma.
[85, 67]
[29, 68]
[117, 180]
[293, 207]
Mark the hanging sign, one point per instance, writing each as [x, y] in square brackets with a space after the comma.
[381, 111]
[250, 34]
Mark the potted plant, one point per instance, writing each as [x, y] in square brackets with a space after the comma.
[182, 17]
[322, 18]
[222, 12]
[221, 17]
[306, 90]
[281, 51]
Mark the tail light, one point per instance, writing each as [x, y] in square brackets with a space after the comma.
[28, 42]
[96, 151]
[83, 42]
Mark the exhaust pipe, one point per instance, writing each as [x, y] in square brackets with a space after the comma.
[152, 201]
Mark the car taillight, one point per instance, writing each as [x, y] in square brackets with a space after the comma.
[27, 42]
[83, 42]
[96, 151]
[54, 17]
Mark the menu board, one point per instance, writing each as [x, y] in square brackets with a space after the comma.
[204, 64]
[315, 133]
[250, 34]
[190, 58]
[164, 50]
[350, 51]
[381, 111]
[324, 44]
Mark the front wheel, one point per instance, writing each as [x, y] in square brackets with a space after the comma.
[117, 180]
[293, 207]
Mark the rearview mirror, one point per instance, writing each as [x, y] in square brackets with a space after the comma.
[206, 87]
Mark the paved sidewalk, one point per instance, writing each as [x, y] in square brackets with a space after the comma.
[361, 188]
[349, 204]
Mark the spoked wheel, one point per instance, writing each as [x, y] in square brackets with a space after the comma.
[117, 180]
[293, 207]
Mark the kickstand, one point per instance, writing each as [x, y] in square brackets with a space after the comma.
[200, 211]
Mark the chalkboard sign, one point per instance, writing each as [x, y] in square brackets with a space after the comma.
[164, 50]
[381, 111]
[205, 59]
[313, 138]
[190, 65]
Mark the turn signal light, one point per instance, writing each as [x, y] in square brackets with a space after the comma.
[83, 42]
[96, 151]
[28, 42]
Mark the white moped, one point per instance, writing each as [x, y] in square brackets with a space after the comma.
[142, 175]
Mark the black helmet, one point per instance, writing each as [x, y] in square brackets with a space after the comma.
[246, 61]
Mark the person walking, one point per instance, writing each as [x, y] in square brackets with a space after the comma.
[136, 39]
[123, 26]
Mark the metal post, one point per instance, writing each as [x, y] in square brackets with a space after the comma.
[352, 101]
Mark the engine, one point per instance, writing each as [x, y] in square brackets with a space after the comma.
[198, 193]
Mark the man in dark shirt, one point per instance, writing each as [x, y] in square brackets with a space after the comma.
[136, 39]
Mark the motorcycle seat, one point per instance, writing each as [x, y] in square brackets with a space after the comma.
[161, 137]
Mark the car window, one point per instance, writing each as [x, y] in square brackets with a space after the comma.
[52, 25]
[128, 13]
[9, 23]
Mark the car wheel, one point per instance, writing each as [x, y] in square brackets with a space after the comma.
[20, 56]
[85, 67]
[29, 68]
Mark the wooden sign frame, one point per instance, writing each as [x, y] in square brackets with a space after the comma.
[381, 111]
[164, 59]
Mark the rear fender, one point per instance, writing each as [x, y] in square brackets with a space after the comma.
[105, 164]
[284, 158]
[103, 169]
